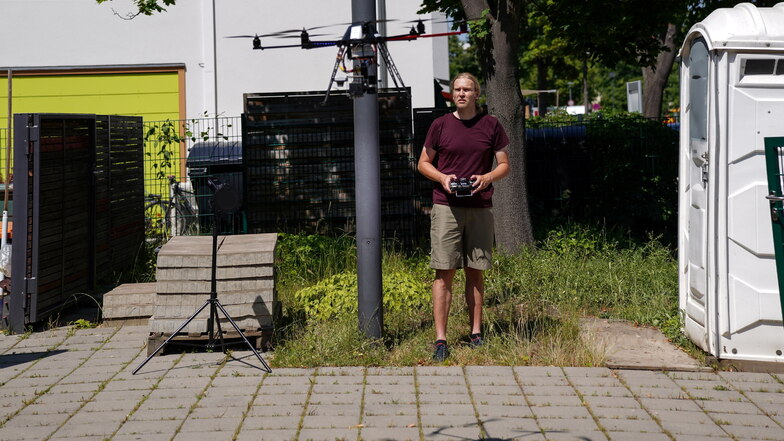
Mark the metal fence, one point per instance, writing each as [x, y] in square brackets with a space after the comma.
[296, 172]
[181, 157]
[621, 171]
[299, 162]
[4, 152]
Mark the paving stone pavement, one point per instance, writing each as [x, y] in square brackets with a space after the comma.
[67, 384]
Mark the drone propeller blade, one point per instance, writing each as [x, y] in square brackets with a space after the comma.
[419, 19]
[299, 36]
[326, 26]
[386, 20]
[275, 34]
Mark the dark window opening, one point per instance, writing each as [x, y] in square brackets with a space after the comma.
[759, 67]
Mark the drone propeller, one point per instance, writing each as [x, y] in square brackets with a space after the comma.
[300, 36]
[274, 34]
[417, 30]
[384, 20]
[462, 24]
[418, 25]
[325, 26]
[416, 20]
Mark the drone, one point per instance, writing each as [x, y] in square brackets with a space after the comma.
[360, 43]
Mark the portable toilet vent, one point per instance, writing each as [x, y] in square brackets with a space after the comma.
[732, 98]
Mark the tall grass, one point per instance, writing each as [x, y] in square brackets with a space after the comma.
[533, 303]
[584, 270]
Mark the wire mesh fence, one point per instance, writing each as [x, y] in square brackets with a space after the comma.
[294, 171]
[299, 163]
[5, 152]
[182, 157]
[621, 171]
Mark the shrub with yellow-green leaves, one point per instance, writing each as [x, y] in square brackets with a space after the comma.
[336, 295]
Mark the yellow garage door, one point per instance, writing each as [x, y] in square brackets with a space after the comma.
[156, 94]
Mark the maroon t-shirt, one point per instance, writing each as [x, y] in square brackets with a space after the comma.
[463, 149]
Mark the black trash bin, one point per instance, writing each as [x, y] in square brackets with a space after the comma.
[222, 161]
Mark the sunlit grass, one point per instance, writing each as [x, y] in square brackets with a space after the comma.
[533, 304]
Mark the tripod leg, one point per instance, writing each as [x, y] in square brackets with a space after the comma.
[220, 331]
[174, 334]
[239, 331]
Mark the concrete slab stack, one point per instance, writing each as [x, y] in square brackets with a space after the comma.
[245, 284]
[129, 303]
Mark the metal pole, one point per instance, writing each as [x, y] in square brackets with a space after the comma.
[383, 71]
[7, 179]
[215, 62]
[367, 170]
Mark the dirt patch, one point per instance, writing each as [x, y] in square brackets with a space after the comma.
[635, 347]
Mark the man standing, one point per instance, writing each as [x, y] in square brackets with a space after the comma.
[462, 144]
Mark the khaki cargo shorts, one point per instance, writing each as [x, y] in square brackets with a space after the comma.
[461, 237]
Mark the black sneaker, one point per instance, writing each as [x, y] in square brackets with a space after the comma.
[476, 340]
[441, 352]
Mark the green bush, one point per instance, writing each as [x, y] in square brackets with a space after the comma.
[336, 295]
[577, 239]
[303, 260]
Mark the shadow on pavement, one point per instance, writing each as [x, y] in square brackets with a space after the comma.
[8, 360]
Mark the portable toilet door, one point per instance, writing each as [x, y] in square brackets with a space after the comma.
[732, 96]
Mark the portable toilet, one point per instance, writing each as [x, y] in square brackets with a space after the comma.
[732, 98]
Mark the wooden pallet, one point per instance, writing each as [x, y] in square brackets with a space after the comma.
[261, 339]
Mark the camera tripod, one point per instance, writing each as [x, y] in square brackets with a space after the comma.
[225, 202]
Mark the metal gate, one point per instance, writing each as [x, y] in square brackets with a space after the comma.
[79, 209]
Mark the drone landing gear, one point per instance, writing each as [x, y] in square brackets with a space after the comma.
[361, 88]
[338, 60]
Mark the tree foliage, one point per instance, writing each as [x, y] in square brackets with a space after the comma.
[607, 31]
[462, 57]
[673, 28]
[610, 36]
[146, 7]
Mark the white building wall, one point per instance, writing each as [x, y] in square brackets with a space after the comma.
[82, 33]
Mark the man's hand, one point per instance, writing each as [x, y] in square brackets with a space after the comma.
[446, 180]
[480, 182]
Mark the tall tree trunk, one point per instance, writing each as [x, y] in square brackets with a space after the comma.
[586, 97]
[654, 79]
[543, 98]
[497, 53]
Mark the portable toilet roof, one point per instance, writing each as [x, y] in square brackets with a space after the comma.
[732, 98]
[744, 27]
